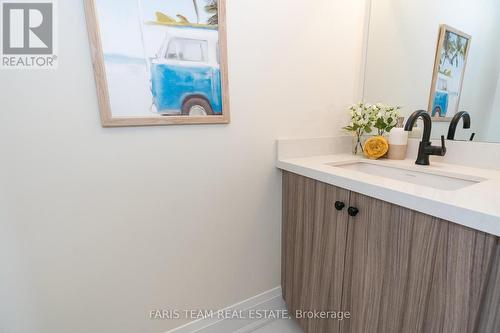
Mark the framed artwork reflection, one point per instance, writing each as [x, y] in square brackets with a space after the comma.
[449, 70]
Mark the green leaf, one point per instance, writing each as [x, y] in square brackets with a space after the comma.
[380, 124]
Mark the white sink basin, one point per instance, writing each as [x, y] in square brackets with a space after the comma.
[433, 179]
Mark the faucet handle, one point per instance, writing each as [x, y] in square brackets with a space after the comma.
[443, 146]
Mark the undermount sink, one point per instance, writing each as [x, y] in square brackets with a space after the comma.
[431, 179]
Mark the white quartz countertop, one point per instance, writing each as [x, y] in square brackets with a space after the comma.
[476, 206]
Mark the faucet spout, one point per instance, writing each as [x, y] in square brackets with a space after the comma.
[454, 123]
[427, 123]
[426, 148]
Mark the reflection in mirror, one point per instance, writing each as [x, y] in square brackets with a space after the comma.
[442, 56]
[452, 130]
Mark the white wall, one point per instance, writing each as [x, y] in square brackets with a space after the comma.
[492, 127]
[98, 226]
[401, 55]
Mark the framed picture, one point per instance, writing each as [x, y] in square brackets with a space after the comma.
[449, 70]
[159, 62]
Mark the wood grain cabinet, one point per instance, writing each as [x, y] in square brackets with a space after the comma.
[394, 269]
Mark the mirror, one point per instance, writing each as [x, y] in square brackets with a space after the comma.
[440, 56]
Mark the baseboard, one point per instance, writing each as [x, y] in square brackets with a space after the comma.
[269, 300]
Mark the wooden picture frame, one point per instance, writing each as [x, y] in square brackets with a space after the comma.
[448, 75]
[109, 119]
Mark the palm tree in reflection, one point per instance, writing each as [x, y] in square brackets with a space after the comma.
[195, 4]
[212, 8]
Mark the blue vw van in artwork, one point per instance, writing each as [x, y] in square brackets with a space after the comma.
[441, 99]
[185, 74]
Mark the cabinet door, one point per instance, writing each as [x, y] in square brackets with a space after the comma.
[314, 242]
[410, 272]
[489, 319]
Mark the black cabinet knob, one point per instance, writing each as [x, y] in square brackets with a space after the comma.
[353, 211]
[339, 205]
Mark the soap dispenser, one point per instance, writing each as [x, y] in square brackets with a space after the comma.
[398, 141]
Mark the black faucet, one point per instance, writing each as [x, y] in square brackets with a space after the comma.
[454, 123]
[426, 148]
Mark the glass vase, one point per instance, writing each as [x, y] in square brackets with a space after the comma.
[357, 145]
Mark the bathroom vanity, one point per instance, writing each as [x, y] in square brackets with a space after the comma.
[400, 255]
[405, 248]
